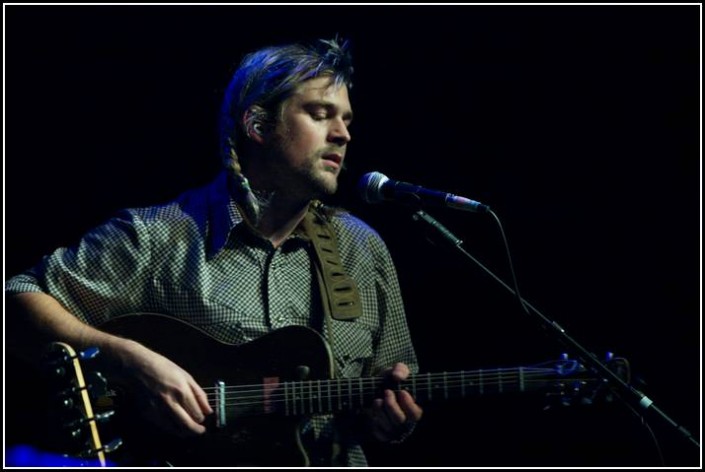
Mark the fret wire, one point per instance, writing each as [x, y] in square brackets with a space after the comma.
[320, 406]
[340, 397]
[362, 398]
[310, 396]
[303, 397]
[445, 385]
[521, 379]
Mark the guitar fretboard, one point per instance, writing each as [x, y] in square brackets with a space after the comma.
[325, 396]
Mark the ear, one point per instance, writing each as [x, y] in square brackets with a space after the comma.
[253, 121]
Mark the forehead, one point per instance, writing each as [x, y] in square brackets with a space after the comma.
[321, 89]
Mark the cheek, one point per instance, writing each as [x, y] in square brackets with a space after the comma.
[305, 140]
[296, 150]
[302, 140]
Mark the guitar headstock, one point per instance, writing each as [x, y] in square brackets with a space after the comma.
[577, 385]
[74, 418]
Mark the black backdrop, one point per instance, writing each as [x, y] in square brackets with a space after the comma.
[578, 125]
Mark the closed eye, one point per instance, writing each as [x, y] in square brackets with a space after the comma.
[319, 116]
[324, 111]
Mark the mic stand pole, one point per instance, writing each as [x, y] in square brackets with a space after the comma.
[633, 395]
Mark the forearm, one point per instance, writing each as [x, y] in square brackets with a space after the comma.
[34, 319]
[178, 404]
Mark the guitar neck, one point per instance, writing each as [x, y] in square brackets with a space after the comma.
[343, 394]
[327, 396]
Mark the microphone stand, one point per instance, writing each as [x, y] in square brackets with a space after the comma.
[631, 394]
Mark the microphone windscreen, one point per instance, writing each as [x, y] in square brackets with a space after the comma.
[370, 187]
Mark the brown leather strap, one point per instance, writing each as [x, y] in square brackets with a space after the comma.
[341, 298]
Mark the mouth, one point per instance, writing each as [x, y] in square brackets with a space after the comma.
[333, 160]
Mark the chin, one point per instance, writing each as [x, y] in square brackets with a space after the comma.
[328, 189]
[327, 184]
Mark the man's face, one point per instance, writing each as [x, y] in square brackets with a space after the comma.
[310, 139]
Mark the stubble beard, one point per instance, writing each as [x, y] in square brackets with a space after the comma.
[311, 180]
[321, 182]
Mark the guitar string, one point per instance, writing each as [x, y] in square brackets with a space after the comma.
[309, 402]
[450, 380]
[332, 388]
[306, 393]
[467, 375]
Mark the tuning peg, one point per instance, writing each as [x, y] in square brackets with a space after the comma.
[56, 357]
[76, 425]
[71, 391]
[89, 353]
[100, 417]
[112, 445]
[97, 384]
[54, 363]
[105, 416]
[106, 448]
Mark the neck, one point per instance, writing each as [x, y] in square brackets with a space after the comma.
[280, 218]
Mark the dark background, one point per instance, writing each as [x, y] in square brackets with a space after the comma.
[578, 125]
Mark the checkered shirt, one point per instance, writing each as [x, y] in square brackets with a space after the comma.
[196, 260]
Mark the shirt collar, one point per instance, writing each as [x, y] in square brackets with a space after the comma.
[223, 215]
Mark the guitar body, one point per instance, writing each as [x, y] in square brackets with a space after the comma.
[251, 436]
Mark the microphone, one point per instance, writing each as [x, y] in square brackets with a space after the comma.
[375, 187]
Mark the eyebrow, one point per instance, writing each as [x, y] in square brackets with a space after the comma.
[348, 115]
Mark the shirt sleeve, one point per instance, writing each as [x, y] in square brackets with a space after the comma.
[105, 273]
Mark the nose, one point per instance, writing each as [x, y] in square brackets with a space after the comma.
[339, 133]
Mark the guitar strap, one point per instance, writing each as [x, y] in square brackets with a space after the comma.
[339, 293]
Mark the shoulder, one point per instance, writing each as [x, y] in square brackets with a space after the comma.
[184, 218]
[345, 221]
[189, 204]
[352, 230]
[191, 208]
